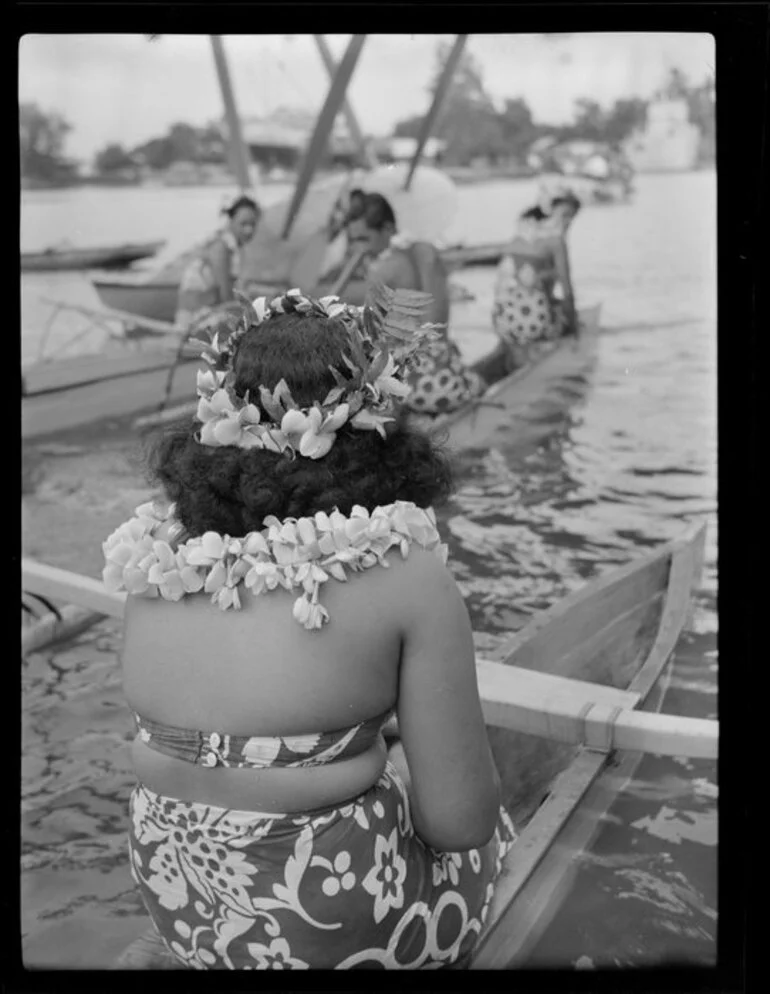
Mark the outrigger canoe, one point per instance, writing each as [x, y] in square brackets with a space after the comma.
[69, 257]
[155, 296]
[572, 702]
[514, 390]
[68, 393]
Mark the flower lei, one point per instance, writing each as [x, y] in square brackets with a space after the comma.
[296, 553]
[384, 336]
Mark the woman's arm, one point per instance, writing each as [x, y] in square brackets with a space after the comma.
[561, 264]
[219, 257]
[455, 788]
[433, 280]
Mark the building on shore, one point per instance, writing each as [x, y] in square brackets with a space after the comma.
[402, 150]
[277, 142]
[669, 141]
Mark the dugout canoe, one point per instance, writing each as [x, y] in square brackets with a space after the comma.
[566, 699]
[607, 647]
[513, 389]
[104, 257]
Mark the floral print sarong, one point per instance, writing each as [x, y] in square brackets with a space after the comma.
[350, 886]
[440, 382]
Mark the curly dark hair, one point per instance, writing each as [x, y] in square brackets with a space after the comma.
[242, 201]
[375, 209]
[231, 490]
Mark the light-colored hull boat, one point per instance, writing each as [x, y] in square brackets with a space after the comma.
[106, 257]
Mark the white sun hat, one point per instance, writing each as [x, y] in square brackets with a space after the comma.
[426, 209]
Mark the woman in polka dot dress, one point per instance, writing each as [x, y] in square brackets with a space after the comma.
[525, 308]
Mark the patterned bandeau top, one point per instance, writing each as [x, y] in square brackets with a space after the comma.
[259, 752]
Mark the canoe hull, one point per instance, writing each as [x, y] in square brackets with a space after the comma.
[517, 393]
[55, 408]
[618, 632]
[156, 297]
[145, 298]
[98, 258]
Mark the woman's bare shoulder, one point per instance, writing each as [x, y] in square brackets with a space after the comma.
[425, 251]
[415, 583]
[218, 250]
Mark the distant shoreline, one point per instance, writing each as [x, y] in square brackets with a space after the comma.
[460, 174]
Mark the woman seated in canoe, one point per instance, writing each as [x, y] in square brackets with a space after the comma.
[209, 278]
[441, 382]
[270, 828]
[526, 309]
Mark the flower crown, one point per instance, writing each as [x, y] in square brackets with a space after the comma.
[383, 338]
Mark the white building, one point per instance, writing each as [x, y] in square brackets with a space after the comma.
[403, 149]
[669, 141]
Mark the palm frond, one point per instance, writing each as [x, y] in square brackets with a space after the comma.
[396, 313]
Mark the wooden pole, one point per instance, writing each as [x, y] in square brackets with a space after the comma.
[347, 272]
[369, 158]
[50, 629]
[240, 158]
[557, 708]
[323, 128]
[442, 88]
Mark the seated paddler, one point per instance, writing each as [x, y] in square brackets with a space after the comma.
[535, 265]
[288, 594]
[210, 276]
[440, 382]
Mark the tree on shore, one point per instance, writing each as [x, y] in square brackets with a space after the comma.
[41, 145]
[113, 158]
[184, 143]
[701, 108]
[472, 126]
[468, 123]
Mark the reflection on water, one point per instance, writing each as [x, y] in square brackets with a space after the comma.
[621, 464]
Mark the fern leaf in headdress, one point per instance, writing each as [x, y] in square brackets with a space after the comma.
[395, 319]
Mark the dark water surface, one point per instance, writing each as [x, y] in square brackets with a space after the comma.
[625, 465]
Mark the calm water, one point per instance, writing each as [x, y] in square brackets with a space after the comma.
[625, 467]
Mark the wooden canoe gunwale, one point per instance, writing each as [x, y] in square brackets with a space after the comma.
[535, 871]
[54, 259]
[498, 360]
[151, 285]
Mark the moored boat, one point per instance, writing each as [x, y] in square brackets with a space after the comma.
[513, 390]
[566, 699]
[146, 297]
[155, 296]
[63, 395]
[595, 172]
[70, 257]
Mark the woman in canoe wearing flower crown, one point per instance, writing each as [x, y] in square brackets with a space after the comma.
[526, 309]
[440, 382]
[209, 278]
[284, 606]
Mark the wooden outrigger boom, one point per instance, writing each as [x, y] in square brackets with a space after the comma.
[558, 708]
[442, 89]
[239, 154]
[323, 127]
[367, 156]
